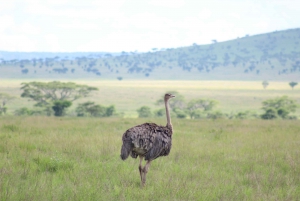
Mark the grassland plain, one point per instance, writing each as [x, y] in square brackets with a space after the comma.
[47, 158]
[128, 96]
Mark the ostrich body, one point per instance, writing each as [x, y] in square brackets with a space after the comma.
[148, 141]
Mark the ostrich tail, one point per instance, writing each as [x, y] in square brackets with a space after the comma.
[125, 151]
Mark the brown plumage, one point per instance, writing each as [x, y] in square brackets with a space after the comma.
[148, 141]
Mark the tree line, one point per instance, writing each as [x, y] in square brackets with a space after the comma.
[54, 98]
[276, 108]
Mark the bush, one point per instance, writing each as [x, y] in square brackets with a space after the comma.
[24, 111]
[160, 113]
[270, 113]
[279, 108]
[215, 115]
[245, 115]
[144, 112]
[180, 113]
[91, 109]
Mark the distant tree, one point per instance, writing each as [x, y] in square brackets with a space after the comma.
[45, 93]
[120, 78]
[91, 109]
[293, 84]
[279, 108]
[265, 84]
[144, 112]
[25, 71]
[204, 104]
[57, 95]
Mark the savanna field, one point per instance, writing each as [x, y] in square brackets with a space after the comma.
[73, 158]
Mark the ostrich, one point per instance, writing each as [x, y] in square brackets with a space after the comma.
[148, 141]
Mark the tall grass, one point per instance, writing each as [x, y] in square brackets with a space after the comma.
[45, 158]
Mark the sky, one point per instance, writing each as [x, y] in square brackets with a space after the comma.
[136, 25]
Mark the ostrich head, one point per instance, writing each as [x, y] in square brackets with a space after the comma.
[168, 96]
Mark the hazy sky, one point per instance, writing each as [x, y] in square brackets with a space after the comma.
[130, 25]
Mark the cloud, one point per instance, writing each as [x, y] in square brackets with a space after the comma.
[16, 37]
[72, 9]
[168, 3]
[130, 41]
[52, 43]
[17, 43]
[75, 24]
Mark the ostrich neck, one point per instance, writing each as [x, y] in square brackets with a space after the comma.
[169, 124]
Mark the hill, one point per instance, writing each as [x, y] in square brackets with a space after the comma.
[269, 56]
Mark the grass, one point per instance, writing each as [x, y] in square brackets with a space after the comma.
[47, 158]
[128, 96]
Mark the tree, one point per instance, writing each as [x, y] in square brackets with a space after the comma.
[56, 95]
[265, 84]
[279, 107]
[45, 93]
[4, 98]
[91, 109]
[293, 84]
[204, 104]
[59, 107]
[144, 112]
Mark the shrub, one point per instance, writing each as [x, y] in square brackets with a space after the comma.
[144, 112]
[279, 108]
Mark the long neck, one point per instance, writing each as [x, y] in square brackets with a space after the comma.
[169, 124]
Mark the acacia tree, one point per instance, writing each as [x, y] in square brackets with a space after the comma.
[293, 84]
[265, 84]
[60, 95]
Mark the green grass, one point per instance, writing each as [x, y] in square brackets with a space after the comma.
[47, 158]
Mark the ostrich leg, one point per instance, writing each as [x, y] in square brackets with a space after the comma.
[140, 166]
[144, 172]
